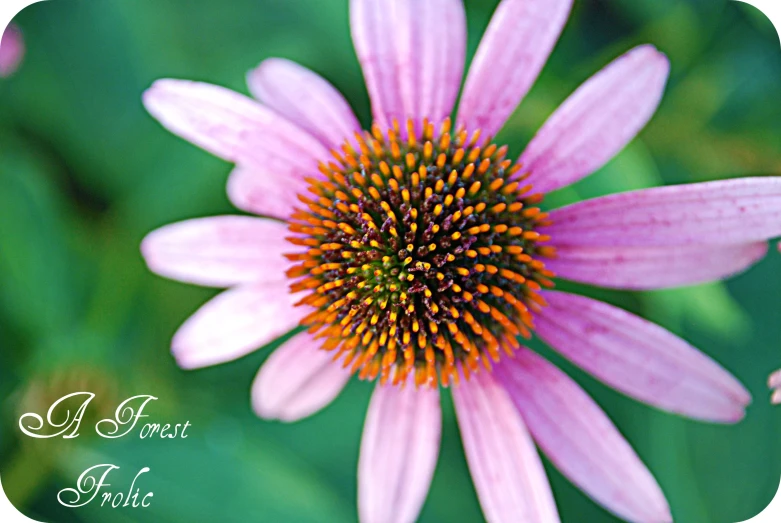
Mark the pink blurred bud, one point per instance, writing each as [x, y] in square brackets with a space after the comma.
[11, 50]
[774, 382]
[775, 399]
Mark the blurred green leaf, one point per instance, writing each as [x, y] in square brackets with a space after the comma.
[236, 479]
[39, 289]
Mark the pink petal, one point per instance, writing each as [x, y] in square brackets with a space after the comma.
[580, 439]
[372, 22]
[431, 55]
[11, 50]
[398, 453]
[235, 323]
[234, 127]
[506, 470]
[640, 359]
[412, 53]
[713, 213]
[304, 98]
[220, 251]
[297, 380]
[641, 268]
[598, 120]
[261, 190]
[513, 51]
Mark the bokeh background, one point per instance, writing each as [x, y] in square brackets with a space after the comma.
[85, 173]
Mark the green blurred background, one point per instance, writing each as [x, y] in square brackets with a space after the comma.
[85, 173]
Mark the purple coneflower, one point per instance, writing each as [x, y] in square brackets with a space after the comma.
[11, 50]
[416, 253]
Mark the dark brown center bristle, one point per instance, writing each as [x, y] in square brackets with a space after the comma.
[419, 254]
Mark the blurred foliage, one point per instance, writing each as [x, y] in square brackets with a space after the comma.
[85, 173]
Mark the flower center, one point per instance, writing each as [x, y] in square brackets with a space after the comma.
[421, 254]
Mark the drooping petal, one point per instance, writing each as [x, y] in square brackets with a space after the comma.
[506, 470]
[640, 268]
[640, 359]
[235, 323]
[511, 55]
[412, 54]
[712, 213]
[579, 438]
[304, 98]
[234, 127]
[598, 120]
[11, 50]
[260, 190]
[221, 251]
[297, 380]
[399, 451]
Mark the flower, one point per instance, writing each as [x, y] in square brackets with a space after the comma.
[416, 253]
[774, 382]
[11, 50]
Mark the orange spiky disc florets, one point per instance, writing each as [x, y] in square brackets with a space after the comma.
[419, 254]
